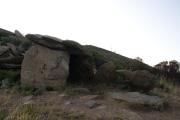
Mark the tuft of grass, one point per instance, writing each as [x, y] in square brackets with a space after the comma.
[73, 115]
[25, 112]
[167, 86]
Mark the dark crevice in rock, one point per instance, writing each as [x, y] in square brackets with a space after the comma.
[80, 70]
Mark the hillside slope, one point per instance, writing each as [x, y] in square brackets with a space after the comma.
[101, 55]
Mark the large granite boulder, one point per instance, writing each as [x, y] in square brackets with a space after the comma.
[137, 80]
[106, 73]
[44, 67]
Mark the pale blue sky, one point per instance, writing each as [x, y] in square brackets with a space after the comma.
[149, 29]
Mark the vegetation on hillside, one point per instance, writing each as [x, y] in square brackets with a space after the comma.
[101, 56]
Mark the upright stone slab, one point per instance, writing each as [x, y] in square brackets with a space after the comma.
[44, 67]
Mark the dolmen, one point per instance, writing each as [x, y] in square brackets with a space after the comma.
[51, 62]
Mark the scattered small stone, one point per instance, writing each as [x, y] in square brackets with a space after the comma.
[101, 107]
[27, 100]
[68, 103]
[62, 95]
[91, 104]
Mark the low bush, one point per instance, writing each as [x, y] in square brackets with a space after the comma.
[10, 77]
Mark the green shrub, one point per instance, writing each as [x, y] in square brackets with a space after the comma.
[4, 40]
[3, 115]
[12, 77]
[166, 85]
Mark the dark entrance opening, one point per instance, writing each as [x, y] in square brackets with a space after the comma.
[80, 70]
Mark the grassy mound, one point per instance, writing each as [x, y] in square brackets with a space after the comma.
[101, 56]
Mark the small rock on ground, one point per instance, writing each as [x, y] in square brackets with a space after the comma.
[91, 104]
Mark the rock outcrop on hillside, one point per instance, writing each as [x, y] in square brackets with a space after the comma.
[138, 80]
[12, 48]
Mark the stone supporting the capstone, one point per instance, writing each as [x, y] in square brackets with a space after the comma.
[44, 67]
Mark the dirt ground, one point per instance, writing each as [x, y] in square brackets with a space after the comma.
[55, 105]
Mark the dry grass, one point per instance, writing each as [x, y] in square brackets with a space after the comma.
[169, 86]
[25, 112]
[52, 106]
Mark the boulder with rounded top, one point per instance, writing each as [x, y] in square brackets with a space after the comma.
[44, 67]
